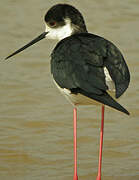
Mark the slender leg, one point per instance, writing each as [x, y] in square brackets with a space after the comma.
[101, 144]
[75, 142]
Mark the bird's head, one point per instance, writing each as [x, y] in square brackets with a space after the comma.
[61, 21]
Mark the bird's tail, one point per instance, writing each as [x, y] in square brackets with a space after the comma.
[106, 99]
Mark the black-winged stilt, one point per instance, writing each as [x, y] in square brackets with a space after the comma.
[87, 68]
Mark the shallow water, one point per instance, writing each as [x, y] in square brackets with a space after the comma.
[36, 134]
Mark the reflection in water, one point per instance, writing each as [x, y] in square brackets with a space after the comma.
[36, 135]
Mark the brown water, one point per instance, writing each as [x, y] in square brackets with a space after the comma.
[36, 134]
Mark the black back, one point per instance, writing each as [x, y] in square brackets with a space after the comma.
[78, 62]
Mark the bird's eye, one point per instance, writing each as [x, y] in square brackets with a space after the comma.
[52, 23]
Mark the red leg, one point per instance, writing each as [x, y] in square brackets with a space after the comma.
[101, 144]
[75, 142]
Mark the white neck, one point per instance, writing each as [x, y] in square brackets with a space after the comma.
[60, 32]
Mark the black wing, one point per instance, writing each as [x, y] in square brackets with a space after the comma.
[117, 68]
[81, 59]
[78, 62]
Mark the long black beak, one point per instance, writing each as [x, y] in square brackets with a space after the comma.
[40, 37]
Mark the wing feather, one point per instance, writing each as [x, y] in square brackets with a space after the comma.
[79, 60]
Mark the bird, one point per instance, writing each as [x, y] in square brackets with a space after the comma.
[87, 68]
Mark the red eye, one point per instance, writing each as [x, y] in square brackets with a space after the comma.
[52, 23]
